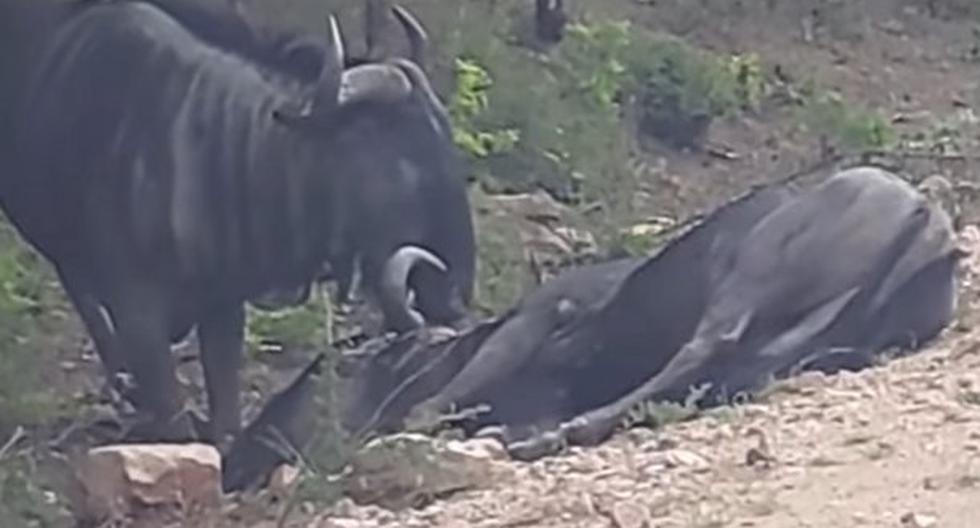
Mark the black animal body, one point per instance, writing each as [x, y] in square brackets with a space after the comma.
[173, 164]
[776, 281]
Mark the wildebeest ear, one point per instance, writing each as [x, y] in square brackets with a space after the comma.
[326, 91]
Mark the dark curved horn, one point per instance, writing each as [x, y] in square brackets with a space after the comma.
[393, 291]
[421, 85]
[418, 39]
[328, 85]
[374, 82]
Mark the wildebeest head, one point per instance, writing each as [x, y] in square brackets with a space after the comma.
[385, 378]
[402, 176]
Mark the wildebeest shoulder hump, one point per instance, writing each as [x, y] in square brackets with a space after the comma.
[229, 31]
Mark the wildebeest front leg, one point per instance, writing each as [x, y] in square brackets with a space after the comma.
[142, 331]
[222, 337]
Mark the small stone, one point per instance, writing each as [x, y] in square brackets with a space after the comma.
[641, 436]
[345, 523]
[861, 519]
[630, 515]
[893, 27]
[345, 507]
[283, 477]
[825, 461]
[919, 520]
[406, 470]
[755, 457]
[682, 458]
[482, 448]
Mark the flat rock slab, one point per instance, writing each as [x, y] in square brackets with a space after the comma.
[408, 470]
[120, 480]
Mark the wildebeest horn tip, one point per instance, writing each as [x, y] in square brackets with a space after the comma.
[394, 292]
[418, 39]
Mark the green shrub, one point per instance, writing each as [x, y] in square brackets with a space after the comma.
[32, 316]
[468, 102]
[303, 326]
[677, 89]
[24, 502]
[848, 125]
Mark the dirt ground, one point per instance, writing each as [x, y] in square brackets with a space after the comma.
[896, 446]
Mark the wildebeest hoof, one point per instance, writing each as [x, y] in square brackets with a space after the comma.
[426, 419]
[200, 424]
[177, 430]
[542, 445]
[590, 429]
[496, 432]
[423, 419]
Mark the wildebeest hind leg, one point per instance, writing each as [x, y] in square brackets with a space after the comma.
[142, 331]
[920, 309]
[222, 337]
[833, 360]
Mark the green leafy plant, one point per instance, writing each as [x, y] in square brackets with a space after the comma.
[303, 326]
[849, 125]
[594, 59]
[29, 299]
[750, 85]
[469, 101]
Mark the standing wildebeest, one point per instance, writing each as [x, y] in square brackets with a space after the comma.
[171, 171]
[443, 274]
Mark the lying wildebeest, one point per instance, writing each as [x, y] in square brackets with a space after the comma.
[769, 283]
[376, 401]
[861, 263]
[172, 173]
[521, 348]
